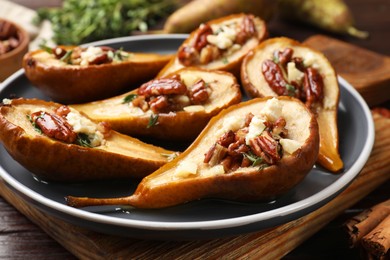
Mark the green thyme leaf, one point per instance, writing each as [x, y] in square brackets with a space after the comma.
[256, 160]
[36, 127]
[291, 90]
[263, 166]
[83, 140]
[152, 120]
[46, 48]
[77, 22]
[129, 98]
[225, 60]
[120, 55]
[66, 57]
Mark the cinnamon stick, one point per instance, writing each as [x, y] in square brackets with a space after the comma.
[363, 223]
[377, 242]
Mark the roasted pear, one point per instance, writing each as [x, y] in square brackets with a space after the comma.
[74, 74]
[220, 44]
[175, 107]
[282, 66]
[256, 150]
[56, 142]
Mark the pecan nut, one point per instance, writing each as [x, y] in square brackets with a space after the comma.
[54, 126]
[284, 56]
[266, 147]
[313, 86]
[247, 30]
[274, 76]
[163, 86]
[198, 93]
[189, 54]
[159, 104]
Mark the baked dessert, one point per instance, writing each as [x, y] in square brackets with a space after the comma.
[57, 143]
[282, 66]
[253, 151]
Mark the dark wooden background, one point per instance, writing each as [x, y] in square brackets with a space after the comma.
[21, 239]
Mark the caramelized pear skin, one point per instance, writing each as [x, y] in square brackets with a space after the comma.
[189, 177]
[25, 122]
[226, 48]
[181, 124]
[67, 83]
[303, 73]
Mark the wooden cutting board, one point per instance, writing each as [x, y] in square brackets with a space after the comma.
[268, 244]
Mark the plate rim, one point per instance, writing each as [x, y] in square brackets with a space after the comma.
[328, 192]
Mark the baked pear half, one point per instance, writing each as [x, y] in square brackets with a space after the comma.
[282, 66]
[175, 107]
[254, 151]
[220, 44]
[57, 143]
[74, 74]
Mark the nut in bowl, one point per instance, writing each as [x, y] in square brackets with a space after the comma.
[14, 42]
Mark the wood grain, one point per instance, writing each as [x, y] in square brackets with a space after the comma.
[367, 71]
[268, 244]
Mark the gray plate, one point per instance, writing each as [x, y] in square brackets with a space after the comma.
[209, 218]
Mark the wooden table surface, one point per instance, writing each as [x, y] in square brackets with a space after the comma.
[21, 239]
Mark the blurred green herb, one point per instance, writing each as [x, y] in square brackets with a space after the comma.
[46, 48]
[256, 160]
[66, 57]
[83, 140]
[78, 22]
[153, 120]
[291, 90]
[129, 98]
[36, 127]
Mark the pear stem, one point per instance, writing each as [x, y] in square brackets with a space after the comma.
[80, 202]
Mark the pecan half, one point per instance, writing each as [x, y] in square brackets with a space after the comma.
[215, 154]
[200, 40]
[62, 111]
[100, 59]
[247, 30]
[140, 102]
[274, 76]
[279, 127]
[54, 126]
[313, 86]
[198, 93]
[159, 104]
[248, 119]
[189, 54]
[266, 147]
[163, 86]
[237, 148]
[227, 138]
[284, 56]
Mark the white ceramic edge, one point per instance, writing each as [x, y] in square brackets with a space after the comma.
[137, 38]
[338, 185]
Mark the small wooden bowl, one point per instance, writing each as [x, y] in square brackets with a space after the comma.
[12, 61]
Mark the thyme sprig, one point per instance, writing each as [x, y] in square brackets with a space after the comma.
[129, 98]
[153, 120]
[85, 21]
